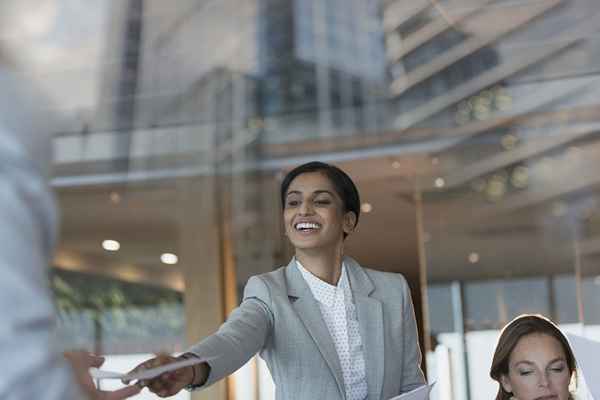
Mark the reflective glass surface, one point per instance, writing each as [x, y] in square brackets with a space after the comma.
[469, 126]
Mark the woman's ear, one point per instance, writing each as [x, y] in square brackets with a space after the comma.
[505, 382]
[349, 222]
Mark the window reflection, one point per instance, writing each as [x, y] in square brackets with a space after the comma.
[470, 123]
[116, 317]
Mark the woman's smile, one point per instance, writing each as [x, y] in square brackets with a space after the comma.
[307, 227]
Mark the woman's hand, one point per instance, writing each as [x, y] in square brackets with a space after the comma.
[81, 362]
[169, 383]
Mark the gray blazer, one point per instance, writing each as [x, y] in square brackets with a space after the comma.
[280, 318]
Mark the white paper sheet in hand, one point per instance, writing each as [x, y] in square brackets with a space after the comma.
[587, 355]
[147, 373]
[420, 393]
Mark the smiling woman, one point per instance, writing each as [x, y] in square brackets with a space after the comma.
[321, 208]
[327, 327]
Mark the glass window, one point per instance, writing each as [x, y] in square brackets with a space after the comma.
[474, 145]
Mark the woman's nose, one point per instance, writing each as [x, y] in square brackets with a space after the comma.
[306, 208]
[543, 381]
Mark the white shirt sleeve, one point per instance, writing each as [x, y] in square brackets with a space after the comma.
[32, 366]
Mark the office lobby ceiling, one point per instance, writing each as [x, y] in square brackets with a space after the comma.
[146, 218]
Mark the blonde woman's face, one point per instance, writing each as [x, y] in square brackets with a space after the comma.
[538, 369]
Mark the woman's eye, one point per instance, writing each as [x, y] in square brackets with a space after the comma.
[323, 202]
[292, 203]
[524, 373]
[558, 369]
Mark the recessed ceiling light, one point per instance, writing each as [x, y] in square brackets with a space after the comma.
[111, 245]
[169, 258]
[509, 141]
[396, 164]
[115, 198]
[439, 182]
[520, 177]
[366, 207]
[473, 258]
[496, 187]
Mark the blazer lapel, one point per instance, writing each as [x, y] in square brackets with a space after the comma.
[307, 309]
[370, 319]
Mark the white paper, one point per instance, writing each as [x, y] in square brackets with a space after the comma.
[420, 393]
[147, 373]
[587, 355]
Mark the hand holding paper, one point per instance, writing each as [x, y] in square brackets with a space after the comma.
[147, 373]
[164, 375]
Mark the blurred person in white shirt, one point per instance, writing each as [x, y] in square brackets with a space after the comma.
[33, 366]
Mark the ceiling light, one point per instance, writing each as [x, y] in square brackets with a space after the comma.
[115, 198]
[169, 258]
[520, 177]
[111, 245]
[439, 182]
[473, 258]
[496, 187]
[509, 141]
[396, 164]
[366, 207]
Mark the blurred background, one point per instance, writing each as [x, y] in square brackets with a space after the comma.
[470, 126]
